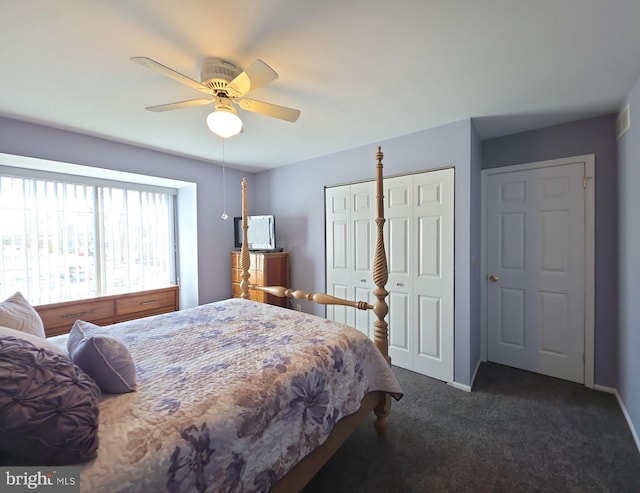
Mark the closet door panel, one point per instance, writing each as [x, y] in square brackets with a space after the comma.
[342, 314]
[398, 193]
[400, 337]
[433, 282]
[429, 327]
[362, 251]
[364, 233]
[363, 318]
[338, 250]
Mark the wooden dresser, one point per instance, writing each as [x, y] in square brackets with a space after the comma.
[58, 318]
[267, 269]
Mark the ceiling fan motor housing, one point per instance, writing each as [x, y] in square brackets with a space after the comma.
[216, 73]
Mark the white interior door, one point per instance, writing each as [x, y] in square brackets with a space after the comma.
[536, 270]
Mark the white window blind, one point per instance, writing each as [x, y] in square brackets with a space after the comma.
[69, 240]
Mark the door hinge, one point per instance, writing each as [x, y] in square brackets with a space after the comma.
[584, 181]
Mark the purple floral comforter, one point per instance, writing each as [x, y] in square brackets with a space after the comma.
[230, 396]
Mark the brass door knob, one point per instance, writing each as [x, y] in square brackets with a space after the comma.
[493, 278]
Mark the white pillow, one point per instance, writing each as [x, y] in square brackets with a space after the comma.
[35, 340]
[16, 313]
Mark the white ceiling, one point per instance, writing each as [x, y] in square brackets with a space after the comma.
[359, 70]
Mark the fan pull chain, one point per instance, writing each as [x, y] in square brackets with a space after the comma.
[224, 216]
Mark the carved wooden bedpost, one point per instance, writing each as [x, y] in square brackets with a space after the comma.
[380, 277]
[245, 261]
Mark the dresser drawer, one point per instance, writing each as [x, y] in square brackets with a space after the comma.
[149, 313]
[145, 302]
[256, 278]
[236, 276]
[254, 294]
[266, 269]
[65, 316]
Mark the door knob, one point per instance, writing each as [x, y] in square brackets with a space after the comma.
[493, 278]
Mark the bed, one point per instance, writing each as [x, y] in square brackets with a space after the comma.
[233, 395]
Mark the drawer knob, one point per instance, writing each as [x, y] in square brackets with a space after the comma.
[150, 302]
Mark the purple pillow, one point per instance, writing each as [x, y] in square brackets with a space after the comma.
[48, 406]
[105, 359]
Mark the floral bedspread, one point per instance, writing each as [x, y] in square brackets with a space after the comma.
[230, 396]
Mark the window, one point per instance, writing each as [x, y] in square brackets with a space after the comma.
[69, 238]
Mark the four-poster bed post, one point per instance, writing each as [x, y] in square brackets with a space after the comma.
[380, 277]
[245, 260]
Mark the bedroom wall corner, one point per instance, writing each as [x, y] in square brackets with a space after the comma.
[187, 218]
[629, 266]
[475, 235]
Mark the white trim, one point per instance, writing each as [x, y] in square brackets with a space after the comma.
[46, 168]
[589, 315]
[473, 378]
[603, 388]
[484, 342]
[460, 386]
[589, 271]
[611, 390]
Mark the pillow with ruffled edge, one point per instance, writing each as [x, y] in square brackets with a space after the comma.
[35, 340]
[48, 407]
[16, 313]
[107, 360]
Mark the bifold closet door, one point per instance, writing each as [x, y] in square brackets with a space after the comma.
[338, 246]
[433, 296]
[419, 244]
[398, 236]
[419, 238]
[350, 243]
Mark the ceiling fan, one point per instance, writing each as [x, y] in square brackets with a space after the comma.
[226, 85]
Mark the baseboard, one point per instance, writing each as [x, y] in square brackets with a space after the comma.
[467, 388]
[460, 386]
[611, 390]
[473, 378]
[603, 388]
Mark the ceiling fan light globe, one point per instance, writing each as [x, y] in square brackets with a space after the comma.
[224, 123]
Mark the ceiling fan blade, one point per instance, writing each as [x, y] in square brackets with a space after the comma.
[177, 106]
[158, 67]
[256, 75]
[273, 110]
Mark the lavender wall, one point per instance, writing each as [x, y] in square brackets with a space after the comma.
[592, 136]
[629, 201]
[214, 236]
[295, 194]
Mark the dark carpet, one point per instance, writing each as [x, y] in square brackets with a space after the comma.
[516, 432]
